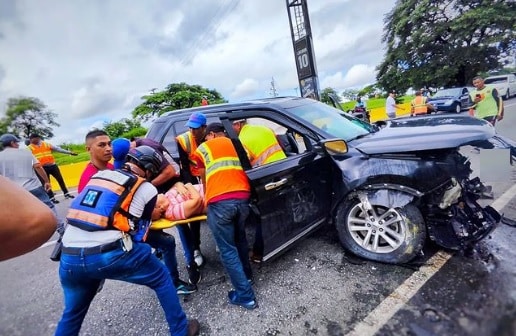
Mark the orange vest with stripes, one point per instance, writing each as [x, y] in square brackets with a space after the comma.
[104, 202]
[189, 145]
[43, 153]
[419, 105]
[224, 173]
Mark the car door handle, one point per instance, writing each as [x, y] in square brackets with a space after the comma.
[274, 185]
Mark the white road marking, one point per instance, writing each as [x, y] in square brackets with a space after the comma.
[373, 322]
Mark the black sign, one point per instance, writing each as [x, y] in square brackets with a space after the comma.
[303, 59]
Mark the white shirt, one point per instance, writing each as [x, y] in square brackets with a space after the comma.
[390, 107]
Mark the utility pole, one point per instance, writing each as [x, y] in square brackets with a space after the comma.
[303, 48]
[273, 91]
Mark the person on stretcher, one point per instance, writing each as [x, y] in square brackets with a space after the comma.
[182, 201]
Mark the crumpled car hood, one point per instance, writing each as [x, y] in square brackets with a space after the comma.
[425, 133]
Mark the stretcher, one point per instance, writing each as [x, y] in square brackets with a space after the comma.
[163, 223]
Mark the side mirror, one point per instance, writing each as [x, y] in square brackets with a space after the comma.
[336, 147]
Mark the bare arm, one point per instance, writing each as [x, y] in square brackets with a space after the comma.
[25, 222]
[41, 172]
[165, 175]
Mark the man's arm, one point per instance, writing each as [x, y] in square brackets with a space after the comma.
[25, 222]
[58, 149]
[184, 162]
[43, 174]
[166, 174]
[499, 105]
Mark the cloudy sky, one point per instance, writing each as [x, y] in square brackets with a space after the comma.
[90, 61]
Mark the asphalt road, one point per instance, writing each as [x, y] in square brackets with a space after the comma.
[313, 289]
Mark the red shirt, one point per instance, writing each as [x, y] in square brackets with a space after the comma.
[88, 172]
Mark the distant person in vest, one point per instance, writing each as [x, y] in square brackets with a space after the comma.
[108, 223]
[43, 152]
[188, 142]
[260, 142]
[419, 105]
[227, 192]
[487, 104]
[204, 101]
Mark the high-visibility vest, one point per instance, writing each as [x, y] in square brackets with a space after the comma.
[224, 173]
[189, 145]
[486, 107]
[104, 202]
[43, 153]
[261, 144]
[419, 105]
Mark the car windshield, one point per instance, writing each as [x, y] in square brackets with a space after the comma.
[448, 92]
[495, 80]
[331, 121]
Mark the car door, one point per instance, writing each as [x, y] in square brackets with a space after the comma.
[290, 197]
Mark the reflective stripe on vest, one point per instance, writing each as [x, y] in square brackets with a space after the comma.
[419, 105]
[264, 157]
[189, 145]
[224, 173]
[43, 153]
[487, 106]
[104, 202]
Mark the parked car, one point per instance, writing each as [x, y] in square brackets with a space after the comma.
[504, 84]
[451, 99]
[387, 188]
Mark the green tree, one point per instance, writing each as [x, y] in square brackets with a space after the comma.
[350, 94]
[325, 95]
[26, 115]
[433, 43]
[117, 129]
[175, 96]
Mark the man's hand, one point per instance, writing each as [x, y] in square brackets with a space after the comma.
[47, 186]
[499, 117]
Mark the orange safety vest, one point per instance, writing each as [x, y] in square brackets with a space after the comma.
[189, 145]
[261, 144]
[43, 153]
[224, 173]
[104, 202]
[419, 105]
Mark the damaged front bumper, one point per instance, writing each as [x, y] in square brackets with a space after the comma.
[458, 221]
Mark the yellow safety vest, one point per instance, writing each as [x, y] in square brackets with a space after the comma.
[43, 153]
[419, 105]
[189, 145]
[261, 144]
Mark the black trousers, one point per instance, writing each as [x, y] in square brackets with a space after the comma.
[53, 170]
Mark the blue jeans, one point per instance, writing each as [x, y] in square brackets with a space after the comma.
[226, 220]
[167, 245]
[187, 240]
[81, 275]
[41, 194]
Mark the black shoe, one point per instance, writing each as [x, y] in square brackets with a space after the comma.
[246, 304]
[194, 274]
[184, 287]
[53, 199]
[69, 196]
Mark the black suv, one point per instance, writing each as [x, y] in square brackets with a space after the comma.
[386, 187]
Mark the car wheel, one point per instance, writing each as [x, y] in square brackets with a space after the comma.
[388, 235]
[458, 108]
[507, 95]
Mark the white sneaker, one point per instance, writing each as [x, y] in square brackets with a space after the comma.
[198, 258]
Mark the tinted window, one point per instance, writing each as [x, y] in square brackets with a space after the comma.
[495, 80]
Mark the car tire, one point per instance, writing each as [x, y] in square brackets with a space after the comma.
[406, 233]
[457, 107]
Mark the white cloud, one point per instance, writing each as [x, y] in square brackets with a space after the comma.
[91, 61]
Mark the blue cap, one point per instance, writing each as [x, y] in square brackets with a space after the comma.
[7, 138]
[196, 120]
[120, 148]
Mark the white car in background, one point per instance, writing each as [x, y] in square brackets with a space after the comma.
[504, 84]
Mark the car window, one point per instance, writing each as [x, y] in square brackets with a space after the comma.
[452, 92]
[291, 141]
[496, 80]
[330, 120]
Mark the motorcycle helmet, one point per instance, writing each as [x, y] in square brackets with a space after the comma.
[147, 158]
